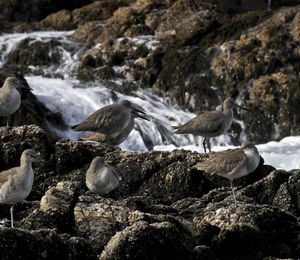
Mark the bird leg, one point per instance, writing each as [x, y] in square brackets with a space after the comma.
[208, 144]
[204, 142]
[12, 216]
[233, 193]
[9, 122]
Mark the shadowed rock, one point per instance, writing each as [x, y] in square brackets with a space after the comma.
[163, 204]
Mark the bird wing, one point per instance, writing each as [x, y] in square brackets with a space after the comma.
[98, 137]
[208, 122]
[106, 120]
[223, 162]
[4, 175]
[114, 172]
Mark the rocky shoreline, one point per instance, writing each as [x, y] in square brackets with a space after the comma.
[179, 49]
[194, 53]
[163, 208]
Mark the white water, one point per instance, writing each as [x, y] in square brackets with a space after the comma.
[76, 100]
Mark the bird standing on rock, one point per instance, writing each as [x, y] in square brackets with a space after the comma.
[16, 183]
[109, 119]
[10, 98]
[232, 164]
[101, 178]
[117, 137]
[210, 123]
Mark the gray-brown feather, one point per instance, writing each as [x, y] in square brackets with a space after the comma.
[223, 162]
[204, 123]
[5, 174]
[106, 120]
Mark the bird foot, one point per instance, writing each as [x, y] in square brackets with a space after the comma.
[5, 223]
[238, 204]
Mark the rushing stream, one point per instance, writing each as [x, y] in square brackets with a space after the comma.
[61, 92]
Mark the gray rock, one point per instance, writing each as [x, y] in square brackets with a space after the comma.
[58, 202]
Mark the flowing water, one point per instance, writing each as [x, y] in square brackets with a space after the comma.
[60, 91]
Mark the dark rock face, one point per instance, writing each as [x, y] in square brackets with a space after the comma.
[163, 206]
[231, 48]
[34, 10]
[41, 244]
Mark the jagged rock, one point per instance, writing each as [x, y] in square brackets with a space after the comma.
[147, 241]
[59, 201]
[163, 207]
[16, 11]
[17, 139]
[265, 189]
[264, 96]
[162, 204]
[287, 196]
[41, 244]
[218, 50]
[88, 32]
[67, 20]
[98, 219]
[246, 231]
[72, 155]
[260, 61]
[34, 53]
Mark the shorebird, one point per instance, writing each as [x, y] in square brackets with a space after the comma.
[101, 178]
[109, 119]
[210, 123]
[232, 164]
[117, 137]
[10, 98]
[16, 183]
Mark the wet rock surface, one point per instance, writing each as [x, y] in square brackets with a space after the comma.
[241, 48]
[163, 207]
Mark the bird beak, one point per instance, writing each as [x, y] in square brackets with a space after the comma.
[136, 110]
[143, 116]
[243, 108]
[20, 85]
[39, 158]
